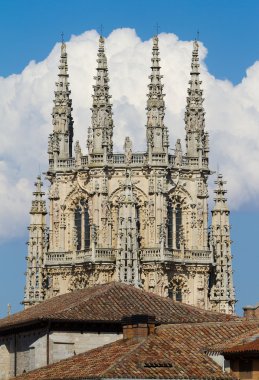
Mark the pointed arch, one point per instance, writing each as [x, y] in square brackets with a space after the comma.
[177, 202]
[82, 225]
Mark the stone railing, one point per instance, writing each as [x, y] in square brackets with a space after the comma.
[193, 256]
[158, 158]
[175, 255]
[189, 161]
[150, 254]
[105, 254]
[77, 257]
[146, 254]
[83, 256]
[53, 258]
[118, 159]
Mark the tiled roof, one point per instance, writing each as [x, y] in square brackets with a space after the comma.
[248, 347]
[109, 303]
[174, 352]
[238, 341]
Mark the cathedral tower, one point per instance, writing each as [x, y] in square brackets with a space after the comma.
[139, 218]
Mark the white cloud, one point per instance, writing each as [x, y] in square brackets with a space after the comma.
[232, 114]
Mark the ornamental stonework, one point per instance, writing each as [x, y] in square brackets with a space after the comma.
[138, 218]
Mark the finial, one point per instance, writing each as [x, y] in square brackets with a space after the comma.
[101, 42]
[197, 35]
[101, 29]
[63, 45]
[38, 184]
[9, 309]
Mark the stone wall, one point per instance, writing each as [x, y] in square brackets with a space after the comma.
[26, 351]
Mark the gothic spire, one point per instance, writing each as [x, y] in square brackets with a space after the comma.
[222, 292]
[37, 244]
[196, 139]
[220, 192]
[60, 141]
[101, 131]
[157, 133]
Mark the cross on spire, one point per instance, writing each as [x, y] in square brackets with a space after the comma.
[157, 27]
[197, 35]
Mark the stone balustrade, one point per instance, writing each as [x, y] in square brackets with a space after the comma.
[146, 254]
[118, 159]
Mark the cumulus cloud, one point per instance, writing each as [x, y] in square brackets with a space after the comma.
[232, 114]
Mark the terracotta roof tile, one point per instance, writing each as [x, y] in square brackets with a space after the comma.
[109, 303]
[248, 347]
[174, 352]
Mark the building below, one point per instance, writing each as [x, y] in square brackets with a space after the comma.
[136, 218]
[77, 322]
[180, 351]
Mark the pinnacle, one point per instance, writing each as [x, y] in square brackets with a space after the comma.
[155, 54]
[155, 95]
[38, 193]
[195, 58]
[101, 43]
[101, 109]
[155, 104]
[101, 60]
[38, 203]
[38, 183]
[220, 191]
[194, 114]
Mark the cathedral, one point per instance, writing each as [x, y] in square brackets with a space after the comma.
[136, 218]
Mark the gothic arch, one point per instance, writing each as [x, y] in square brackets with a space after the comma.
[179, 195]
[74, 197]
[139, 195]
[178, 287]
[178, 202]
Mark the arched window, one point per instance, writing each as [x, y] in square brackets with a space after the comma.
[178, 294]
[86, 228]
[138, 225]
[174, 225]
[175, 294]
[78, 225]
[178, 224]
[170, 226]
[82, 225]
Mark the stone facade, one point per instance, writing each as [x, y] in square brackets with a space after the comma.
[139, 218]
[25, 351]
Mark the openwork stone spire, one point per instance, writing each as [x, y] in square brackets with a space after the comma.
[157, 133]
[220, 195]
[38, 203]
[101, 131]
[222, 293]
[196, 139]
[37, 245]
[61, 140]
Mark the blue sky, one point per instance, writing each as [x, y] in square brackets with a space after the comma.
[228, 29]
